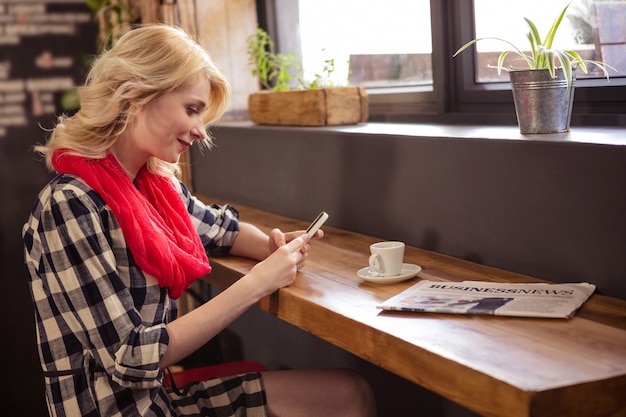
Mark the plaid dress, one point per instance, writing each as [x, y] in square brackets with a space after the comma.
[101, 321]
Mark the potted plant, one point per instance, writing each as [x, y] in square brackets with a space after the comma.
[543, 88]
[286, 99]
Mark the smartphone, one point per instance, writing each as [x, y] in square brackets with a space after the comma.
[317, 223]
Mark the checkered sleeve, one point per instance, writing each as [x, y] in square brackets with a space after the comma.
[89, 306]
[217, 225]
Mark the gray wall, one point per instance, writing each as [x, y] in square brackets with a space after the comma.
[551, 207]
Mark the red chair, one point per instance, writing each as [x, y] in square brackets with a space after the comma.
[187, 376]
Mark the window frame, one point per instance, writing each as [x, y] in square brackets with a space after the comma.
[455, 97]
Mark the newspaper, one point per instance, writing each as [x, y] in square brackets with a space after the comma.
[492, 298]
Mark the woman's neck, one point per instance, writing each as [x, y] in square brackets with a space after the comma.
[132, 175]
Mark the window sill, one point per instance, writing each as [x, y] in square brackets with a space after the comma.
[611, 136]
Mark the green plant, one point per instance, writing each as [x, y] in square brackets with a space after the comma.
[327, 70]
[275, 70]
[542, 54]
[282, 72]
[114, 18]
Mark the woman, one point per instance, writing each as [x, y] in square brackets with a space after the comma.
[114, 239]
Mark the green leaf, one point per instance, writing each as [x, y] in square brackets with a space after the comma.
[95, 5]
[501, 61]
[533, 36]
[555, 26]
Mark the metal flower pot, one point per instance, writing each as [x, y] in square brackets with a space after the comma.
[543, 104]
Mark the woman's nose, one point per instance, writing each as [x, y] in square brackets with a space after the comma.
[198, 133]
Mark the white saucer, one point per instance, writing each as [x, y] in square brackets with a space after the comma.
[408, 271]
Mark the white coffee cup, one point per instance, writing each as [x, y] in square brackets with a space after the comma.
[386, 258]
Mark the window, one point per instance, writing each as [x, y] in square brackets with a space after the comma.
[579, 31]
[371, 43]
[401, 52]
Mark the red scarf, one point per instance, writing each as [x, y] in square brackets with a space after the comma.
[153, 218]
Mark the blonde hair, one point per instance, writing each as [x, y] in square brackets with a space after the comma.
[145, 63]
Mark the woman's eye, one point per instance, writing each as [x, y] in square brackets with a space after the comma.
[192, 110]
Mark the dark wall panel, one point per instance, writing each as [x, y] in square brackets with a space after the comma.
[42, 50]
[554, 210]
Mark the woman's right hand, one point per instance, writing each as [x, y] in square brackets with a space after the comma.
[279, 269]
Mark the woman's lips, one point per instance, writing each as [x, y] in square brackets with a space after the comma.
[185, 144]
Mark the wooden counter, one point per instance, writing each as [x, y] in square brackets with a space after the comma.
[495, 366]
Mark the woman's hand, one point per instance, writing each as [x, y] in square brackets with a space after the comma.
[278, 239]
[289, 252]
[279, 269]
[252, 243]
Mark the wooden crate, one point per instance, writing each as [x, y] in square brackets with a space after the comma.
[314, 107]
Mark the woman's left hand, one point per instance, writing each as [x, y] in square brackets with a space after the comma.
[252, 243]
[278, 239]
